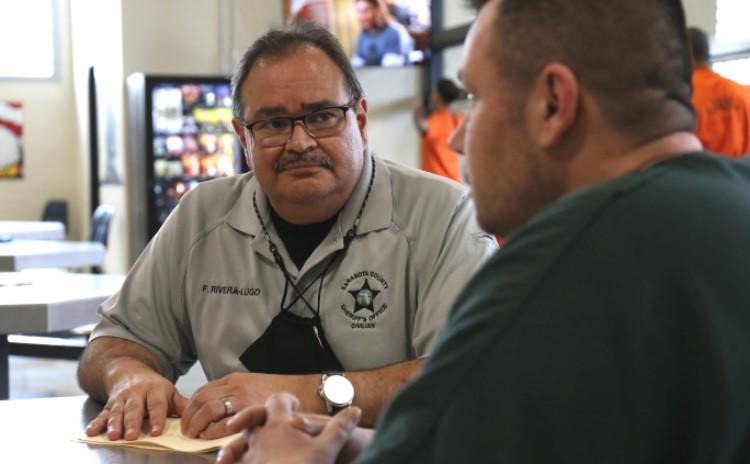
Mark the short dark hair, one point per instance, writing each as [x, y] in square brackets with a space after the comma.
[632, 55]
[699, 45]
[278, 43]
[448, 91]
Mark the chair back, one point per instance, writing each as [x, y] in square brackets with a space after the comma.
[57, 211]
[100, 223]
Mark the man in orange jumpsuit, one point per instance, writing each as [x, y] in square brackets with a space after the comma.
[437, 156]
[722, 106]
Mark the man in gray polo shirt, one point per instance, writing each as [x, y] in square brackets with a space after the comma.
[325, 272]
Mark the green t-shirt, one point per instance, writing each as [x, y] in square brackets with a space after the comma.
[614, 327]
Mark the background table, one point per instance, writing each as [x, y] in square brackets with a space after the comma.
[42, 430]
[29, 254]
[41, 301]
[34, 230]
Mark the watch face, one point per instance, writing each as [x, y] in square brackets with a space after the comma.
[338, 390]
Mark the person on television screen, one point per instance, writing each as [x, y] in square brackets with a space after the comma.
[722, 106]
[382, 41]
[437, 156]
[613, 327]
[325, 269]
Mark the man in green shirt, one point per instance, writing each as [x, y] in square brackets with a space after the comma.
[613, 327]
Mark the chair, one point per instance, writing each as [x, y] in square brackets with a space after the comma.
[56, 210]
[100, 221]
[66, 344]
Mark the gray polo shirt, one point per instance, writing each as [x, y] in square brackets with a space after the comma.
[206, 286]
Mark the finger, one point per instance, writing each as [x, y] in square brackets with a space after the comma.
[233, 451]
[248, 418]
[180, 403]
[98, 424]
[114, 421]
[338, 430]
[281, 406]
[310, 426]
[215, 430]
[133, 417]
[212, 411]
[192, 406]
[202, 398]
[157, 407]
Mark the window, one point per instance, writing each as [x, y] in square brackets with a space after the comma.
[731, 21]
[733, 40]
[28, 39]
[737, 70]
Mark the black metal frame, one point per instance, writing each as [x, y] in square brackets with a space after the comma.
[440, 39]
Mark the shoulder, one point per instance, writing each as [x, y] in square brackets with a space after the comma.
[693, 182]
[217, 194]
[391, 31]
[209, 203]
[431, 209]
[654, 218]
[413, 187]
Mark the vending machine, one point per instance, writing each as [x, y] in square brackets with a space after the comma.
[180, 134]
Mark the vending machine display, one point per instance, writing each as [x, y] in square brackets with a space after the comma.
[188, 138]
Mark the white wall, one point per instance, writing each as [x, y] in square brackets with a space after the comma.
[701, 13]
[456, 13]
[53, 168]
[392, 94]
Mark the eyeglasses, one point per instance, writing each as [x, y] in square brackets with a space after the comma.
[275, 132]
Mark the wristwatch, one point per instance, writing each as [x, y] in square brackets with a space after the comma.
[336, 390]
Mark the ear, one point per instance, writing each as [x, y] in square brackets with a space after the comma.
[554, 104]
[241, 132]
[456, 139]
[361, 109]
[239, 129]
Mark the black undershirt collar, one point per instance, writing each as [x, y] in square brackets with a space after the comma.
[301, 240]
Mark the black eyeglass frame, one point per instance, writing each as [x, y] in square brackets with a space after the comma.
[294, 119]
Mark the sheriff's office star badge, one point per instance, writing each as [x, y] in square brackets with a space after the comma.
[364, 297]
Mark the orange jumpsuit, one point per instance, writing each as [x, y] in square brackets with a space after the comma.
[437, 156]
[723, 110]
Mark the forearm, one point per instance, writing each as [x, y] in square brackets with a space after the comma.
[372, 389]
[107, 360]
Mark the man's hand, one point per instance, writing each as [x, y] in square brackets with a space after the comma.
[133, 397]
[286, 437]
[205, 415]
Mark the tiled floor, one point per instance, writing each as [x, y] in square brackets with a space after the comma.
[40, 378]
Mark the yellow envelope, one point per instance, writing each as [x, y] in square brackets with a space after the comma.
[171, 440]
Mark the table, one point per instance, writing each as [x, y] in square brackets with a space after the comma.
[34, 230]
[39, 301]
[42, 430]
[28, 254]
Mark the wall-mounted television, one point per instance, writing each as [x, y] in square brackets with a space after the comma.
[385, 33]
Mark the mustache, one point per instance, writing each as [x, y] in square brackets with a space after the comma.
[312, 159]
